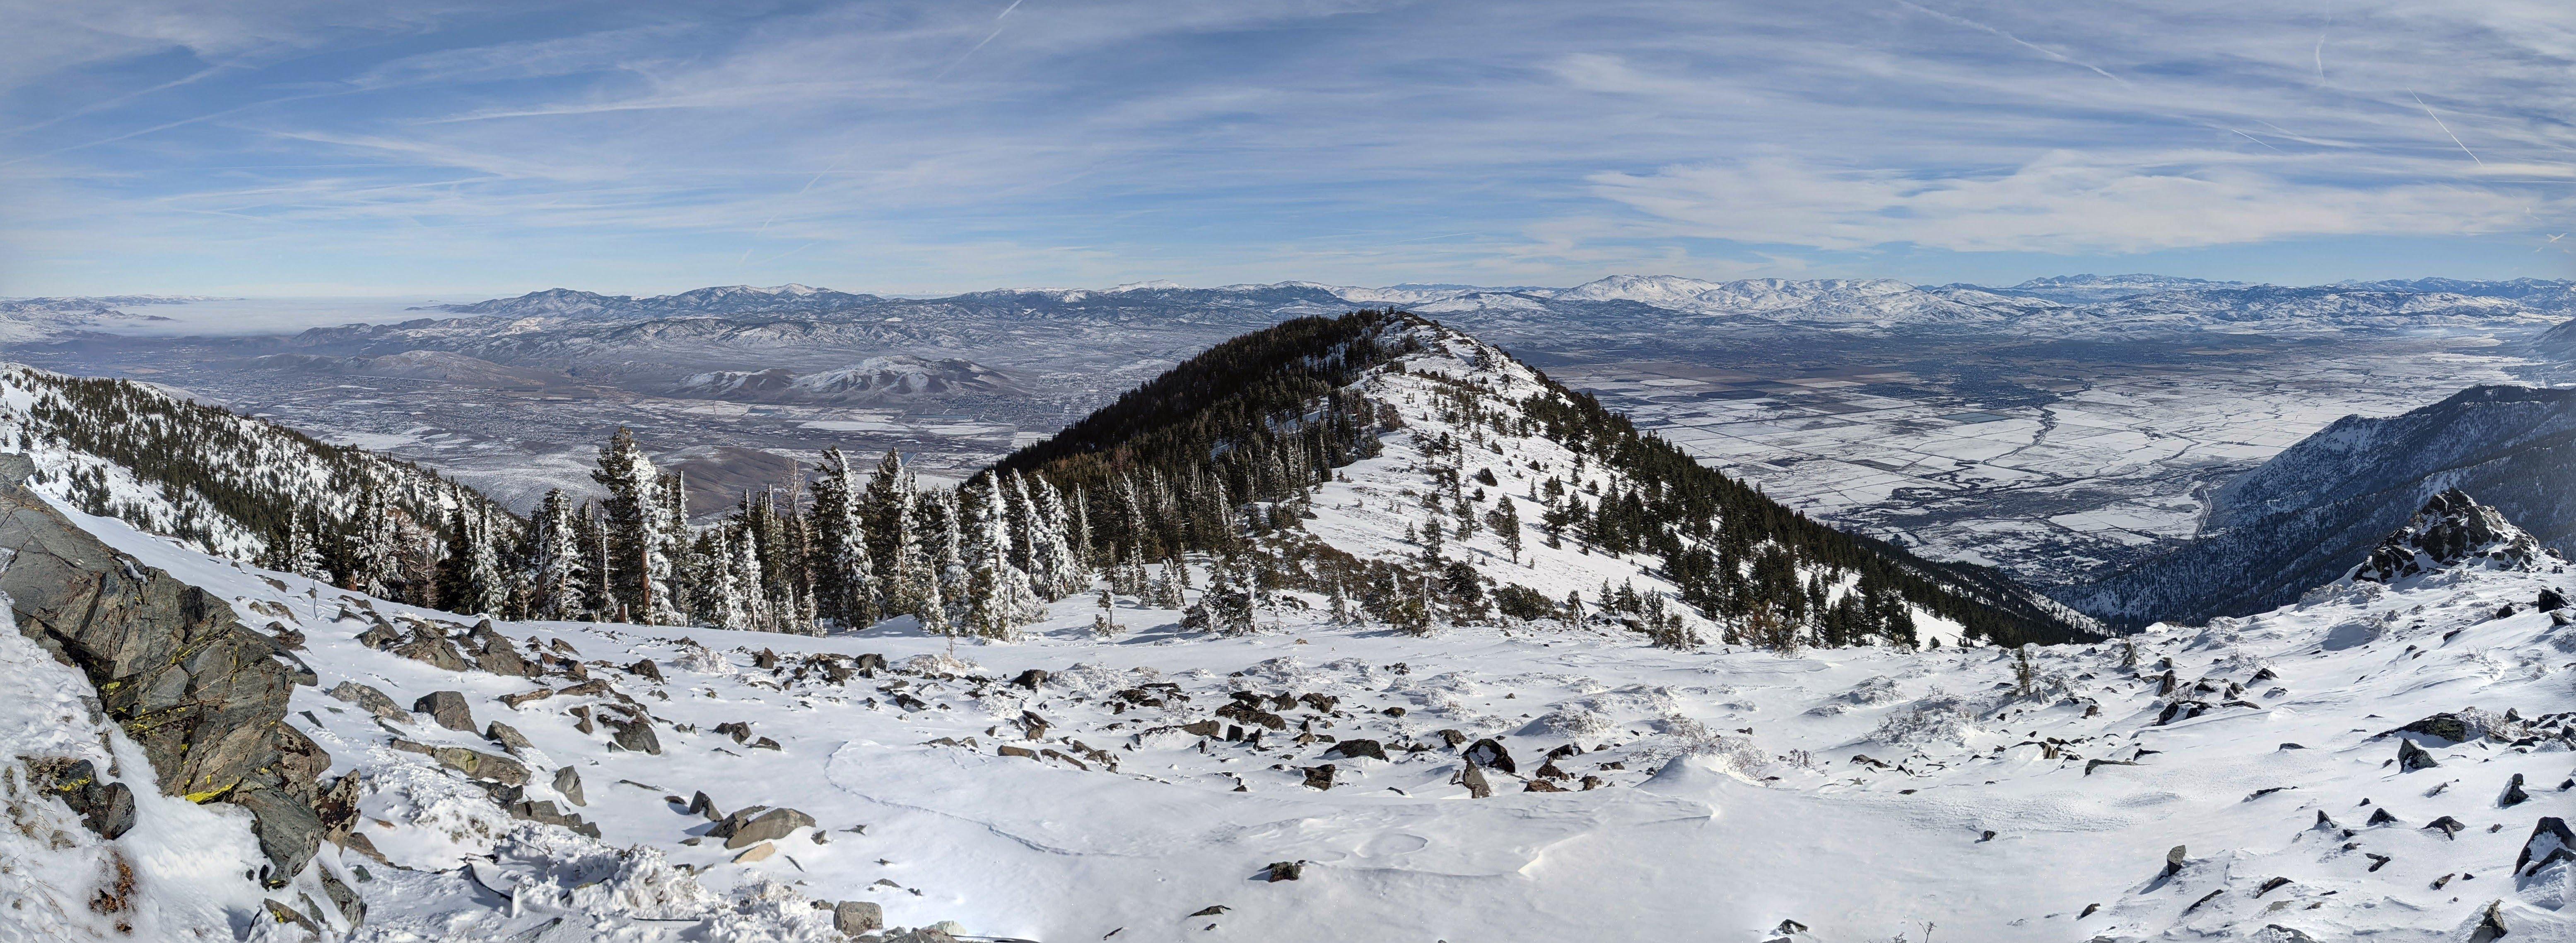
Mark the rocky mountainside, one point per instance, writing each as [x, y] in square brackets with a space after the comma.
[2306, 515]
[2380, 759]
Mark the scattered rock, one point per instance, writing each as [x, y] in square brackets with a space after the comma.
[1009, 750]
[2175, 859]
[2411, 757]
[493, 653]
[2490, 924]
[870, 665]
[370, 700]
[2448, 826]
[769, 826]
[2380, 816]
[1210, 910]
[524, 698]
[1541, 785]
[430, 646]
[2270, 886]
[508, 737]
[2550, 842]
[739, 730]
[1453, 737]
[1473, 777]
[568, 782]
[855, 917]
[1320, 777]
[448, 709]
[633, 735]
[1355, 748]
[699, 804]
[645, 668]
[759, 852]
[1030, 679]
[478, 765]
[2513, 794]
[1283, 871]
[284, 913]
[1489, 753]
[106, 808]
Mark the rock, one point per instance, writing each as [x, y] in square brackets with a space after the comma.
[524, 698]
[1541, 785]
[106, 808]
[2549, 601]
[2513, 794]
[633, 735]
[448, 709]
[1030, 679]
[2271, 885]
[380, 636]
[2464, 726]
[494, 653]
[479, 765]
[1355, 748]
[581, 719]
[2452, 529]
[1489, 753]
[2490, 924]
[430, 646]
[2550, 842]
[1473, 777]
[1210, 910]
[1320, 777]
[699, 804]
[2380, 816]
[1453, 737]
[855, 917]
[2176, 858]
[764, 743]
[370, 700]
[2411, 757]
[288, 830]
[202, 695]
[1009, 750]
[568, 782]
[870, 665]
[770, 826]
[352, 907]
[284, 913]
[1320, 703]
[739, 730]
[759, 852]
[507, 736]
[645, 669]
[2448, 826]
[2182, 710]
[1203, 728]
[1283, 871]
[2276, 933]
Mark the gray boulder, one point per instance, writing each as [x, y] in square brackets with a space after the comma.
[633, 735]
[370, 700]
[448, 709]
[429, 645]
[855, 917]
[1355, 748]
[1489, 753]
[568, 782]
[740, 831]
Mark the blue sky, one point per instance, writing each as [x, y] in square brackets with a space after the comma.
[298, 147]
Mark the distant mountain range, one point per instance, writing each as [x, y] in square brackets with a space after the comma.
[2071, 305]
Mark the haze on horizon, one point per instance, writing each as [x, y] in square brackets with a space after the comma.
[481, 149]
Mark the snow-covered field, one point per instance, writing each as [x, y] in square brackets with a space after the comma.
[1864, 794]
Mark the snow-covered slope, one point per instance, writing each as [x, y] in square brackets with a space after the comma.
[225, 483]
[1308, 781]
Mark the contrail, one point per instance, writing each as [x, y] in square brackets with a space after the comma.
[2446, 129]
[997, 31]
[2257, 140]
[1957, 20]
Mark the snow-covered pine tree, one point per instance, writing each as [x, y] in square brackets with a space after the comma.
[954, 594]
[638, 542]
[845, 577]
[1062, 569]
[555, 563]
[887, 509]
[1226, 607]
[469, 577]
[999, 599]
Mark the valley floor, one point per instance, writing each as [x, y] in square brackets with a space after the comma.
[1866, 795]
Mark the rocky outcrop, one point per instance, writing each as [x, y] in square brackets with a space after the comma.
[2450, 530]
[202, 695]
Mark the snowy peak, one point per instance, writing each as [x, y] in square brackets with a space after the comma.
[2454, 530]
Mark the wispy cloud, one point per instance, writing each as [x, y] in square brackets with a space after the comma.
[914, 146]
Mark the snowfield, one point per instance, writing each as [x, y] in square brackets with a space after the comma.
[1144, 787]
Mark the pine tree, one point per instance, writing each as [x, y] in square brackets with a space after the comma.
[1226, 608]
[555, 561]
[999, 599]
[638, 541]
[845, 578]
[1506, 522]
